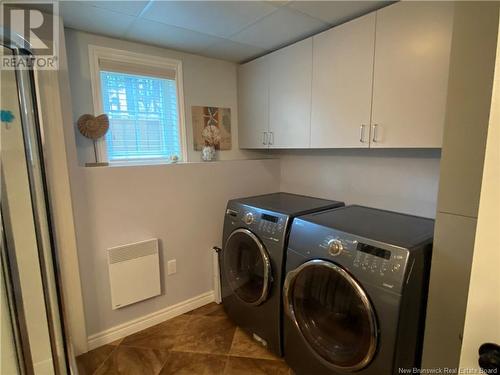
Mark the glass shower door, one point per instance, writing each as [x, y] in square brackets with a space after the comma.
[33, 329]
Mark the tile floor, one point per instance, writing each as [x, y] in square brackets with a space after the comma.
[201, 342]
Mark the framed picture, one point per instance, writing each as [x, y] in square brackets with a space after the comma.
[211, 127]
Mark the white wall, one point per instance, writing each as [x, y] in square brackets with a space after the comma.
[399, 180]
[482, 322]
[207, 82]
[182, 205]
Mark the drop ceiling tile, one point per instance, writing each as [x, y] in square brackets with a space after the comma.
[219, 18]
[279, 28]
[95, 20]
[132, 8]
[336, 12]
[233, 51]
[170, 36]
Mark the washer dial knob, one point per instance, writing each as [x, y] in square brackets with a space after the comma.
[335, 247]
[248, 218]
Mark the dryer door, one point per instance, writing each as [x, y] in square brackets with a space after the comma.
[247, 266]
[333, 314]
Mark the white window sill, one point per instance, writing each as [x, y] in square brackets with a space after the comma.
[129, 163]
[168, 163]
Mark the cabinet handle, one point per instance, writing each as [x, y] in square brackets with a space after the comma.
[362, 133]
[271, 138]
[375, 127]
[264, 138]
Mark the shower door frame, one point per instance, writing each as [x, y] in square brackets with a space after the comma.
[33, 140]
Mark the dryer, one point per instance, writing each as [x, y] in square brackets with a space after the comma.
[255, 237]
[355, 291]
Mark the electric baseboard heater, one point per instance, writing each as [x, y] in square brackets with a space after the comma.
[134, 272]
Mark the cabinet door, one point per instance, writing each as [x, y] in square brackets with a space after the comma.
[253, 103]
[412, 54]
[342, 85]
[290, 95]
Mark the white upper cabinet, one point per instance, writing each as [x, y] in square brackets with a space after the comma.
[342, 85]
[412, 55]
[378, 81]
[253, 104]
[290, 96]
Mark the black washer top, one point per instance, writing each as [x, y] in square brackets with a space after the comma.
[379, 225]
[289, 204]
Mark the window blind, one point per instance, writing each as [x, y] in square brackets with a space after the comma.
[143, 116]
[137, 69]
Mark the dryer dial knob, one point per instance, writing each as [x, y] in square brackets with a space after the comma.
[248, 218]
[335, 247]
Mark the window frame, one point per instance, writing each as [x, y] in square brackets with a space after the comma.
[97, 53]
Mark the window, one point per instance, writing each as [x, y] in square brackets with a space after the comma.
[142, 100]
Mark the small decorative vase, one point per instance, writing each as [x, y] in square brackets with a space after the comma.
[208, 153]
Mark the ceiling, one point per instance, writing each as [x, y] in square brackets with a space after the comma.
[236, 31]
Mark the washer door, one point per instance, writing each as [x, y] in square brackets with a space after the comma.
[333, 314]
[247, 267]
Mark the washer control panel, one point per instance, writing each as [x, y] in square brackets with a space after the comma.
[380, 264]
[265, 223]
[376, 264]
[374, 259]
[271, 224]
[367, 257]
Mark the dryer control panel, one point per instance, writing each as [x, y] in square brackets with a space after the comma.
[381, 264]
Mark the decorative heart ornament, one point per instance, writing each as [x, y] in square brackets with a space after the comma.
[93, 127]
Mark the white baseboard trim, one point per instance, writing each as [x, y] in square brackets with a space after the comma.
[136, 325]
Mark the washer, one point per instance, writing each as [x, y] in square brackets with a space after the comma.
[252, 260]
[355, 291]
